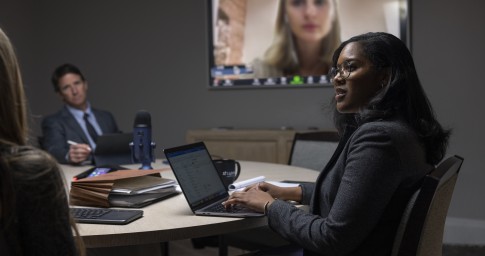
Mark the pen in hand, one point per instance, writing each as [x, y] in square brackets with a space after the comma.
[70, 142]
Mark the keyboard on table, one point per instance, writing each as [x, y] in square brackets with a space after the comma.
[104, 215]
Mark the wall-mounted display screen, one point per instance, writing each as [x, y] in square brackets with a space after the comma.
[289, 43]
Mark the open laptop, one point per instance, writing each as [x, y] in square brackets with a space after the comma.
[200, 182]
[113, 149]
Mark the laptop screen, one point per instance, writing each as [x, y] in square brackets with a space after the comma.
[113, 149]
[195, 173]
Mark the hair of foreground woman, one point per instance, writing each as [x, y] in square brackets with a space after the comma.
[34, 215]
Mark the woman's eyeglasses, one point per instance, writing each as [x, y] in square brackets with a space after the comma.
[343, 71]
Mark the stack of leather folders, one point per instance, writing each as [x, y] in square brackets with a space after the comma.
[124, 188]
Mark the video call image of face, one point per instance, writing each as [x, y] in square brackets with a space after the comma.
[290, 42]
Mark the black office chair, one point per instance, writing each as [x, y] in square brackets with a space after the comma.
[422, 224]
[313, 150]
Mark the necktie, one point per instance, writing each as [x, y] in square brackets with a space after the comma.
[90, 128]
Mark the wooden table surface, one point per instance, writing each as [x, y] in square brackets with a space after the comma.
[172, 219]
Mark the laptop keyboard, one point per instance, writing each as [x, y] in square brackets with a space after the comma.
[221, 208]
[88, 213]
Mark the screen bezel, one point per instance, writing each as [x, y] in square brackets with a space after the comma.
[405, 34]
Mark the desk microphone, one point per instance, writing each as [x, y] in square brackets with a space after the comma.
[142, 146]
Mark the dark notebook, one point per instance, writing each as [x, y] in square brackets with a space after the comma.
[200, 182]
[141, 200]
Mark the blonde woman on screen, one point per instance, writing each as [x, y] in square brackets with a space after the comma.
[306, 34]
[34, 213]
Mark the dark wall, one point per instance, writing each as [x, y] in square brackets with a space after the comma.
[152, 55]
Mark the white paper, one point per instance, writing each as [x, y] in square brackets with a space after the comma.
[246, 183]
[283, 184]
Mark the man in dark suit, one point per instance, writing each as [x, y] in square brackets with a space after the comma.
[70, 134]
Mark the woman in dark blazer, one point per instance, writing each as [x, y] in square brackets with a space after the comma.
[390, 139]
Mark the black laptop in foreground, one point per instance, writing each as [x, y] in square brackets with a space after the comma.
[200, 182]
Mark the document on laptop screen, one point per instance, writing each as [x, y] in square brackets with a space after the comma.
[196, 172]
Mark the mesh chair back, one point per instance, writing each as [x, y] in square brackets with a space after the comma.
[313, 150]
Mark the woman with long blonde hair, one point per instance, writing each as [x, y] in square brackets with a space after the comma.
[34, 212]
[306, 34]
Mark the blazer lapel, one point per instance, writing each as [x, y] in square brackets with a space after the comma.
[315, 202]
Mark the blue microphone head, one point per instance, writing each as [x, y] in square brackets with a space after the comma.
[143, 119]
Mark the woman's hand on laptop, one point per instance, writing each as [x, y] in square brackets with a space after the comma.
[255, 199]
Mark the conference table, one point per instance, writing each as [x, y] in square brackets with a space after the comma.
[172, 219]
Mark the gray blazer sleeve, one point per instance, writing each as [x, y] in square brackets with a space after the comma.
[55, 138]
[307, 192]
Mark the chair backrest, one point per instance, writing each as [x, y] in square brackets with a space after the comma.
[421, 229]
[313, 149]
